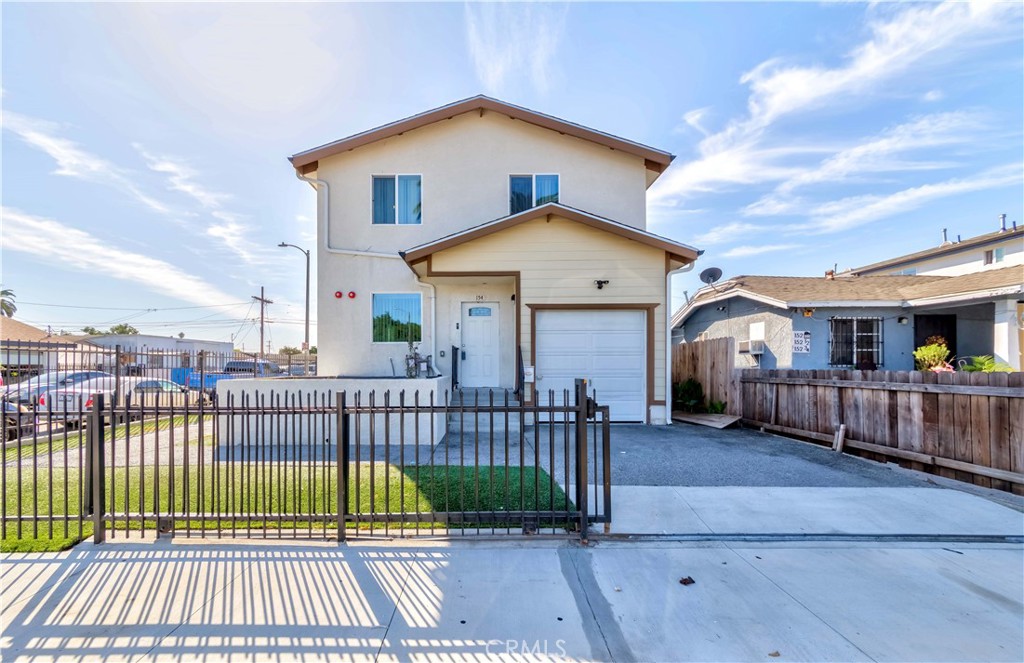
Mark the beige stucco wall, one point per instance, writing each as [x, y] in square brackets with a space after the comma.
[965, 262]
[558, 261]
[465, 164]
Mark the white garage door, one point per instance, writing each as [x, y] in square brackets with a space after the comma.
[606, 347]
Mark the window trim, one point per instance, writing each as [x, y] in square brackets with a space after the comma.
[533, 185]
[881, 339]
[395, 177]
[396, 292]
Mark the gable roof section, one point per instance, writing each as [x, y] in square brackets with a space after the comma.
[15, 330]
[945, 249]
[677, 251]
[807, 291]
[654, 159]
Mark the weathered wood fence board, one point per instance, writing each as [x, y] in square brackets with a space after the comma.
[710, 363]
[967, 426]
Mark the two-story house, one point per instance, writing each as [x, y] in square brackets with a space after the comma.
[494, 237]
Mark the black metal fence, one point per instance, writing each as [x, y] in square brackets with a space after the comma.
[284, 462]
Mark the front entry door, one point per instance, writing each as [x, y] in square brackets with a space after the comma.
[479, 360]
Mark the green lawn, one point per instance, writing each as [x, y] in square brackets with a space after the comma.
[44, 442]
[252, 489]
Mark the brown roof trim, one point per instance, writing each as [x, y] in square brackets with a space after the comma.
[953, 247]
[677, 251]
[654, 159]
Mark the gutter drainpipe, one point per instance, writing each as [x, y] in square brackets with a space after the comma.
[318, 184]
[668, 337]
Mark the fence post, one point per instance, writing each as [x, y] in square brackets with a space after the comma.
[97, 487]
[342, 457]
[581, 456]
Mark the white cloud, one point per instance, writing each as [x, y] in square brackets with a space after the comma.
[728, 232]
[909, 40]
[514, 44]
[72, 160]
[240, 65]
[181, 178]
[856, 211]
[879, 154]
[933, 96]
[694, 119]
[230, 228]
[756, 250]
[70, 248]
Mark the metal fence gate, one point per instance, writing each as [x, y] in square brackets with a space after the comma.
[289, 464]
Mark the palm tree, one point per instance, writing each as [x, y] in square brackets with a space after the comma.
[7, 307]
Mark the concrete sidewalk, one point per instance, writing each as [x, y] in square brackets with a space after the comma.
[478, 601]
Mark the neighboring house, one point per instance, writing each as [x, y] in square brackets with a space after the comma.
[858, 321]
[996, 250]
[26, 350]
[484, 233]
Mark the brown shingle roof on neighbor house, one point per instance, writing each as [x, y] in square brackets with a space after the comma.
[655, 159]
[943, 249]
[817, 289]
[15, 330]
[990, 279]
[785, 291]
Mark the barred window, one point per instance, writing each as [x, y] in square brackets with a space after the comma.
[855, 342]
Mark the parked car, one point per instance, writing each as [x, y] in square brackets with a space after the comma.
[73, 404]
[19, 421]
[240, 368]
[75, 399]
[27, 392]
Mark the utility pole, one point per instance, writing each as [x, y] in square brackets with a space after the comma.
[263, 305]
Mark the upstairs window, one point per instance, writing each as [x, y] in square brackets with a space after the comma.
[993, 256]
[397, 200]
[526, 191]
[855, 342]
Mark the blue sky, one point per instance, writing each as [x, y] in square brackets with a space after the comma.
[144, 146]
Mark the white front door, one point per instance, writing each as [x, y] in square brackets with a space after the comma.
[479, 361]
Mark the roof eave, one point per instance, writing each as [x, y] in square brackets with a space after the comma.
[654, 159]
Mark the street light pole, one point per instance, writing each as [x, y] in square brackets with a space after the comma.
[305, 344]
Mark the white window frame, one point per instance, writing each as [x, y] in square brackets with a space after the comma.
[533, 184]
[395, 176]
[397, 292]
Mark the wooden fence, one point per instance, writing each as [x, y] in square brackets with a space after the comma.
[965, 426]
[710, 363]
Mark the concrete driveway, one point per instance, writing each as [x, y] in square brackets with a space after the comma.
[692, 480]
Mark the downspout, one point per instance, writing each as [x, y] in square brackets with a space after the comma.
[668, 337]
[317, 184]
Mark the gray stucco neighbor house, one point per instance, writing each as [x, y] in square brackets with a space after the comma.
[856, 321]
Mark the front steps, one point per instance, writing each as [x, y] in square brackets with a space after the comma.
[463, 420]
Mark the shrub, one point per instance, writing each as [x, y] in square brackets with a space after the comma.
[932, 357]
[689, 395]
[986, 364]
[716, 407]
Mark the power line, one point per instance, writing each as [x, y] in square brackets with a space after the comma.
[137, 308]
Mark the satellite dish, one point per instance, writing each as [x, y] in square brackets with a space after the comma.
[710, 275]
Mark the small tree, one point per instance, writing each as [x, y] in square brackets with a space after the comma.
[123, 328]
[7, 307]
[92, 331]
[289, 350]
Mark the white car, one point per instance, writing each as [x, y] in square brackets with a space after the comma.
[76, 402]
